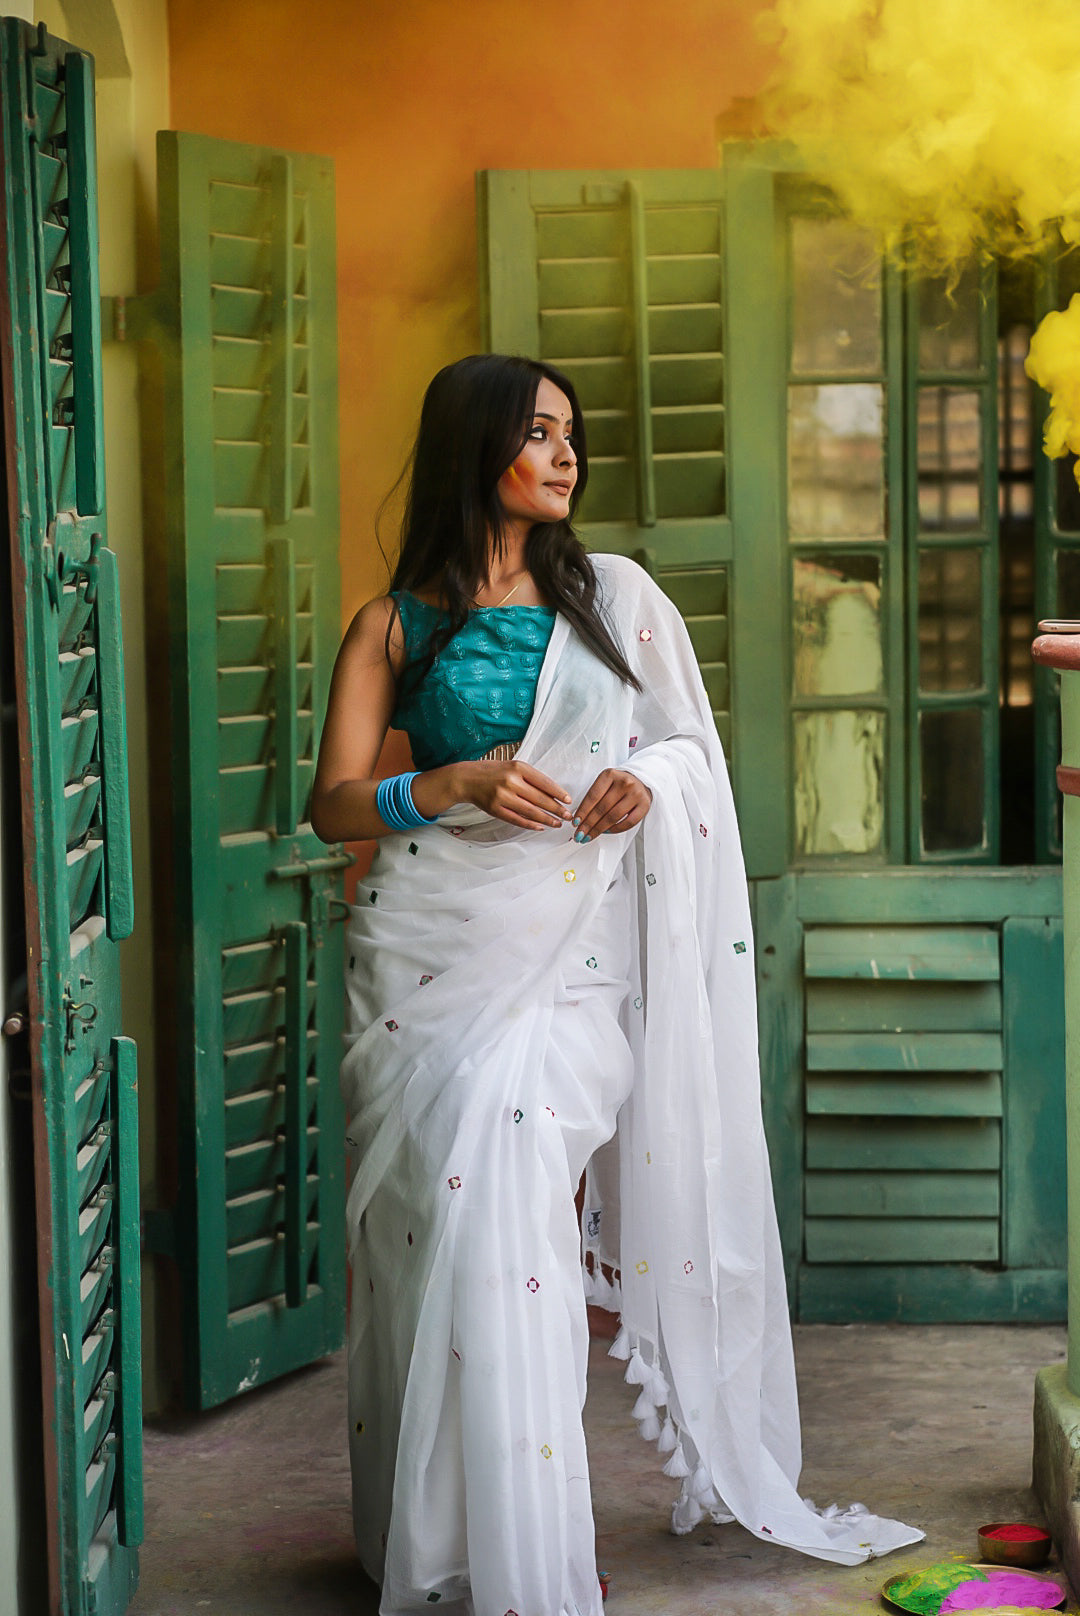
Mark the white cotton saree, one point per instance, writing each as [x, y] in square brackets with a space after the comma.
[517, 999]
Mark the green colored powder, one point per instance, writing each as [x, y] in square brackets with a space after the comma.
[923, 1591]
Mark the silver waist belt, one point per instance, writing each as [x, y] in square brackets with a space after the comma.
[502, 753]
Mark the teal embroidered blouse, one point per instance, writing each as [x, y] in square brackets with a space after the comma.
[481, 689]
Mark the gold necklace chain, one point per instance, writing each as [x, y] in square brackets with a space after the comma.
[507, 596]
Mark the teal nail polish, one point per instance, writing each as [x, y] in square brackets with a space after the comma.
[580, 838]
[576, 821]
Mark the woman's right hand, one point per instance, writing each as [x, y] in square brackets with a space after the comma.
[513, 791]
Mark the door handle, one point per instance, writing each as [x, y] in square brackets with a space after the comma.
[315, 866]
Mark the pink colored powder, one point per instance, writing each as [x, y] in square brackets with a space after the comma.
[1004, 1588]
[1017, 1534]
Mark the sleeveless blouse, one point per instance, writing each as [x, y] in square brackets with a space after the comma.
[480, 691]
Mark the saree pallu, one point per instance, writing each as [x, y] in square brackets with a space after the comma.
[521, 1006]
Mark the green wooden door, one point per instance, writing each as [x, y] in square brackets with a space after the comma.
[246, 318]
[68, 686]
[801, 443]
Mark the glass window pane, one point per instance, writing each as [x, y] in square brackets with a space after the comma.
[839, 782]
[836, 486]
[950, 619]
[836, 298]
[836, 625]
[950, 459]
[1068, 494]
[1067, 601]
[952, 781]
[949, 319]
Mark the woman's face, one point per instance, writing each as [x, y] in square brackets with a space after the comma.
[537, 487]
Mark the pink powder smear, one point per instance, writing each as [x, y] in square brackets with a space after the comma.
[1004, 1588]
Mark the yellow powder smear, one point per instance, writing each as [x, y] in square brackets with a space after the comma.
[951, 125]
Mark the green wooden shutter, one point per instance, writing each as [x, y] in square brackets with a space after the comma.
[246, 313]
[618, 279]
[76, 844]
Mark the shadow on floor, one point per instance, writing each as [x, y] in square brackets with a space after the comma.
[247, 1507]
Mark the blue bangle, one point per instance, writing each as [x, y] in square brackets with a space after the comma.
[394, 803]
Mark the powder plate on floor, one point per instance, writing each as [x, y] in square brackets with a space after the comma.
[951, 1585]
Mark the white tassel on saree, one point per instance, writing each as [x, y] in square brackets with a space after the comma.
[516, 1001]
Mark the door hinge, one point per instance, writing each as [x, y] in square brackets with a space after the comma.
[77, 1013]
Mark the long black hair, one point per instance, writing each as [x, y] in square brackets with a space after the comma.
[475, 420]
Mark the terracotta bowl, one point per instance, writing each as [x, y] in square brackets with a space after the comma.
[1004, 1551]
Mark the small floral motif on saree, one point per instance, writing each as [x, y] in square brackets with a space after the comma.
[651, 879]
[352, 962]
[642, 1267]
[740, 948]
[638, 1002]
[532, 1284]
[688, 1267]
[413, 848]
[425, 979]
[703, 829]
[595, 747]
[591, 962]
[391, 1026]
[372, 896]
[633, 742]
[456, 1353]
[433, 1599]
[454, 1183]
[645, 635]
[546, 1451]
[569, 875]
[409, 1237]
[518, 1114]
[550, 1112]
[359, 1427]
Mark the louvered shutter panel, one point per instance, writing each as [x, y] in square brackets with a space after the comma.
[246, 312]
[616, 279]
[68, 689]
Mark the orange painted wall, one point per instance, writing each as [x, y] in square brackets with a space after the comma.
[410, 97]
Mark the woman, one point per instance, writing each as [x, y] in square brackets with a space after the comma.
[552, 951]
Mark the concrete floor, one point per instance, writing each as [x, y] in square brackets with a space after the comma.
[247, 1508]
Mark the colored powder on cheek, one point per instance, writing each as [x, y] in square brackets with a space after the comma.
[1003, 1588]
[1017, 1534]
[923, 1591]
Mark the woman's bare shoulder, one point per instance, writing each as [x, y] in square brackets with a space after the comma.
[366, 636]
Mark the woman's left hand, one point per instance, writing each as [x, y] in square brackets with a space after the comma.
[615, 801]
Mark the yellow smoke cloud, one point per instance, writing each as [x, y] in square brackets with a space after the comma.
[951, 125]
[1054, 362]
